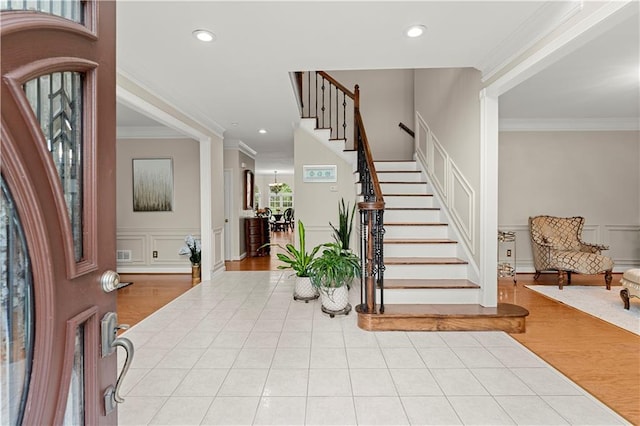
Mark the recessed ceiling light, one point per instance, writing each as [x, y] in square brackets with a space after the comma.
[263, 131]
[204, 35]
[415, 31]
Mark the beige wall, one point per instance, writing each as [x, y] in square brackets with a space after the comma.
[447, 99]
[590, 174]
[386, 99]
[316, 204]
[164, 232]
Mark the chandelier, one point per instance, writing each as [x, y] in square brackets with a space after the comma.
[275, 187]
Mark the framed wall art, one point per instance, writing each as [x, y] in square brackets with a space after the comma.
[320, 173]
[152, 184]
[248, 190]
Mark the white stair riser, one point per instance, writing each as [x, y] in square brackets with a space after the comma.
[437, 296]
[408, 201]
[404, 232]
[400, 177]
[403, 188]
[411, 216]
[438, 272]
[393, 165]
[421, 250]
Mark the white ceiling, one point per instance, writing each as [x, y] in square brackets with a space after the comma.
[243, 77]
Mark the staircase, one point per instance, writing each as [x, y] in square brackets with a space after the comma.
[419, 250]
[422, 283]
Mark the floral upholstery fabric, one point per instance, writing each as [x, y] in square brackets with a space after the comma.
[557, 245]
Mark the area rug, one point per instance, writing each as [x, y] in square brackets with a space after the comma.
[597, 301]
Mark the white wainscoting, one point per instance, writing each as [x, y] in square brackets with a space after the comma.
[623, 242]
[445, 177]
[218, 245]
[143, 242]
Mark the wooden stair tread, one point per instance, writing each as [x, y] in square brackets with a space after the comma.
[407, 195]
[459, 317]
[415, 224]
[398, 171]
[424, 261]
[399, 283]
[419, 241]
[393, 182]
[412, 208]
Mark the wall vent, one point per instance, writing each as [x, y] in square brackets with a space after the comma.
[123, 255]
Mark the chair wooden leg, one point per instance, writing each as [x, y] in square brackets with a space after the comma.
[562, 275]
[624, 295]
[568, 277]
[536, 275]
[607, 279]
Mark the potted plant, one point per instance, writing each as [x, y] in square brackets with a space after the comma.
[332, 274]
[300, 262]
[193, 249]
[342, 234]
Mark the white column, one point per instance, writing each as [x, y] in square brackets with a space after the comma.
[488, 198]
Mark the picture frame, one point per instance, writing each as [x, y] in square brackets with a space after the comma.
[249, 182]
[320, 173]
[152, 180]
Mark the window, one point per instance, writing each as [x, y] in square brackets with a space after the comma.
[280, 199]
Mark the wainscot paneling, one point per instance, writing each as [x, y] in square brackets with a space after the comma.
[462, 203]
[218, 244]
[448, 182]
[144, 242]
[440, 169]
[623, 242]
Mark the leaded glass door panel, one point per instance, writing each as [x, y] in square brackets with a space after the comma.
[57, 164]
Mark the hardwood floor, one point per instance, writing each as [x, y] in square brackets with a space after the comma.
[600, 357]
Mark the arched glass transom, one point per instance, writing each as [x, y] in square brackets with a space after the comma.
[69, 9]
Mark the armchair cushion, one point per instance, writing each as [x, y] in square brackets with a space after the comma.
[579, 261]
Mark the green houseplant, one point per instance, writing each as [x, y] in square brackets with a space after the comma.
[332, 274]
[342, 233]
[300, 261]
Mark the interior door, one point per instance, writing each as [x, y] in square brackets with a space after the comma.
[58, 210]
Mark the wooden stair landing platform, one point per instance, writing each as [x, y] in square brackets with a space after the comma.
[462, 317]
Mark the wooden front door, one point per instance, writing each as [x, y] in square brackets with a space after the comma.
[57, 236]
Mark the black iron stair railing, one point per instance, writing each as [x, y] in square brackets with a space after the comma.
[336, 108]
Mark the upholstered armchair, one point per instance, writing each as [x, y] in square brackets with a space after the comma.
[557, 246]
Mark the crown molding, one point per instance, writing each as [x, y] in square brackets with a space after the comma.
[240, 146]
[569, 124]
[546, 19]
[203, 121]
[149, 132]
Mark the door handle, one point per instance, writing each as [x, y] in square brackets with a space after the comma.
[109, 281]
[109, 331]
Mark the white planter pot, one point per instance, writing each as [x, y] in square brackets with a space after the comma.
[304, 290]
[335, 299]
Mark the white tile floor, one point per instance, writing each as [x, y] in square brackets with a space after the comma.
[239, 350]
